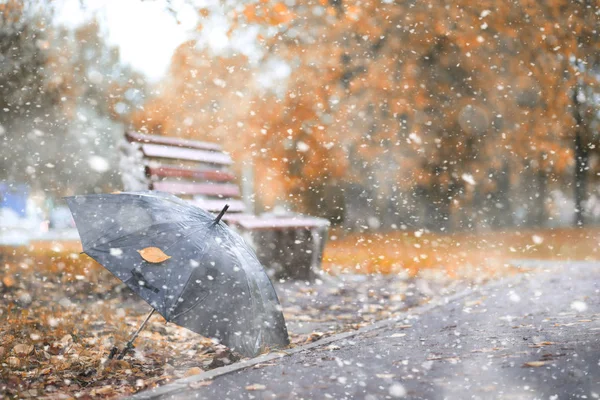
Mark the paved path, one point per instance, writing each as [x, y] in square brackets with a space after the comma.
[535, 338]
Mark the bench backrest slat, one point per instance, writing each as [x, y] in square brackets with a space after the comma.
[132, 136]
[192, 169]
[180, 153]
[192, 188]
[216, 205]
[168, 171]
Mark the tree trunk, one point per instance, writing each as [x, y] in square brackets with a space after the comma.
[581, 161]
[504, 196]
[541, 195]
[581, 165]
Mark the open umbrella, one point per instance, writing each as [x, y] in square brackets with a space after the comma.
[188, 265]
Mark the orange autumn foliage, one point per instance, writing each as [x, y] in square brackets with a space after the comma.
[404, 94]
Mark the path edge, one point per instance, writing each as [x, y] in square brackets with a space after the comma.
[183, 383]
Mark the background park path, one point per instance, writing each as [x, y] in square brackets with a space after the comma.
[534, 336]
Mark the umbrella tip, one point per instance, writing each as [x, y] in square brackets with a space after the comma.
[218, 219]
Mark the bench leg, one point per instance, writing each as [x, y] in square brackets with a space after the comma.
[290, 253]
[319, 238]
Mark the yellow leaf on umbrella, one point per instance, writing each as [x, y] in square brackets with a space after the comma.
[534, 364]
[153, 255]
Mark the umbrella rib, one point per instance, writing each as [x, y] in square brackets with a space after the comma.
[234, 247]
[197, 228]
[170, 276]
[191, 307]
[175, 200]
[212, 226]
[135, 232]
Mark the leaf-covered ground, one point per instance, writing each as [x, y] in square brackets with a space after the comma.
[458, 254]
[61, 313]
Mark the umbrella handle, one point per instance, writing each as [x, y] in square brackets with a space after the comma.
[129, 344]
[125, 350]
[113, 352]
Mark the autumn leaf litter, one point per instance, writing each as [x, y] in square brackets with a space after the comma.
[63, 313]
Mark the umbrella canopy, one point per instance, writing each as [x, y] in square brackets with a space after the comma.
[190, 267]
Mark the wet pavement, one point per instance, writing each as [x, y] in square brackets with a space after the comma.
[531, 337]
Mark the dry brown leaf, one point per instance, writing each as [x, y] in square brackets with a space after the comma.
[472, 303]
[198, 385]
[153, 255]
[256, 386]
[66, 340]
[104, 390]
[193, 371]
[9, 281]
[534, 364]
[262, 365]
[541, 344]
[13, 362]
[23, 349]
[486, 350]
[314, 336]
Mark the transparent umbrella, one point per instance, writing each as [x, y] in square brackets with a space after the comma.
[188, 265]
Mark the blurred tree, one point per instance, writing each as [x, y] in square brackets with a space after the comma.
[99, 95]
[24, 98]
[444, 115]
[63, 93]
[456, 100]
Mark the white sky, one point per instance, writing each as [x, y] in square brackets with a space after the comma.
[145, 31]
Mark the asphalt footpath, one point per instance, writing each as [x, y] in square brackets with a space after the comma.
[535, 336]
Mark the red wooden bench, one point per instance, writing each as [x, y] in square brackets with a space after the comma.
[290, 246]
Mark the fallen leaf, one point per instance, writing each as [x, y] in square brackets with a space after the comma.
[534, 364]
[66, 340]
[9, 281]
[314, 336]
[23, 349]
[262, 365]
[153, 255]
[541, 344]
[105, 390]
[119, 365]
[256, 386]
[472, 303]
[485, 350]
[198, 385]
[193, 371]
[13, 362]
